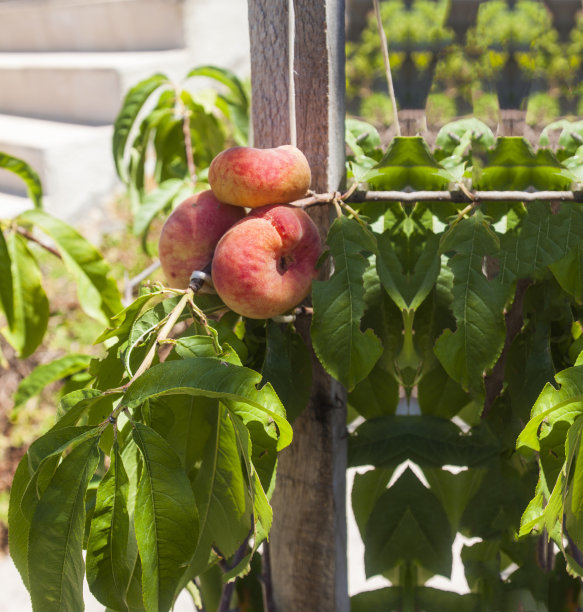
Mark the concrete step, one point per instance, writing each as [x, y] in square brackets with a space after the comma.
[86, 88]
[91, 25]
[74, 163]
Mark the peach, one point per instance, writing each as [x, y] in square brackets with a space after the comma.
[250, 177]
[264, 264]
[190, 235]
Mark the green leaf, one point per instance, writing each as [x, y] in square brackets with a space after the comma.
[224, 76]
[27, 174]
[555, 405]
[496, 507]
[18, 524]
[170, 191]
[6, 286]
[108, 574]
[55, 442]
[378, 394]
[570, 138]
[234, 385]
[55, 559]
[478, 306]
[143, 328]
[125, 319]
[195, 346]
[96, 290]
[133, 102]
[438, 395]
[366, 489]
[454, 490]
[437, 600]
[30, 303]
[344, 350]
[407, 289]
[529, 365]
[181, 421]
[287, 366]
[44, 375]
[456, 137]
[74, 404]
[569, 272]
[234, 105]
[361, 137]
[542, 238]
[408, 165]
[513, 165]
[222, 493]
[166, 523]
[408, 524]
[425, 440]
[379, 600]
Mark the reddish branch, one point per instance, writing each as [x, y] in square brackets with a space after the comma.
[494, 381]
[32, 238]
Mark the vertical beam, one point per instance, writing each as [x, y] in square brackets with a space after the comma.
[308, 538]
[271, 56]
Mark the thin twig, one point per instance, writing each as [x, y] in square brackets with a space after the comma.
[185, 114]
[494, 382]
[166, 329]
[129, 284]
[457, 196]
[229, 588]
[188, 145]
[385, 50]
[32, 238]
[266, 582]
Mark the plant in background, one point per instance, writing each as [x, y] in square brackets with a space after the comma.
[165, 138]
[23, 301]
[416, 34]
[512, 48]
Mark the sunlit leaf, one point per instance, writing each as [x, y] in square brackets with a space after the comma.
[554, 406]
[48, 373]
[165, 519]
[222, 493]
[234, 385]
[55, 560]
[108, 574]
[408, 165]
[30, 304]
[133, 102]
[27, 174]
[96, 289]
[6, 286]
[513, 165]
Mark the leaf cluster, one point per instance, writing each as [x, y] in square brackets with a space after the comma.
[166, 135]
[476, 308]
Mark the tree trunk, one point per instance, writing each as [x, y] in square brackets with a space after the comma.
[308, 564]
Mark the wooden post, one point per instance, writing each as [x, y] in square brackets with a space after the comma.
[308, 539]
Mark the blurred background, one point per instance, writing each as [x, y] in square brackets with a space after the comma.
[515, 64]
[65, 67]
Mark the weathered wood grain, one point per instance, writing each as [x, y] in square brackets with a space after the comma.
[308, 539]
